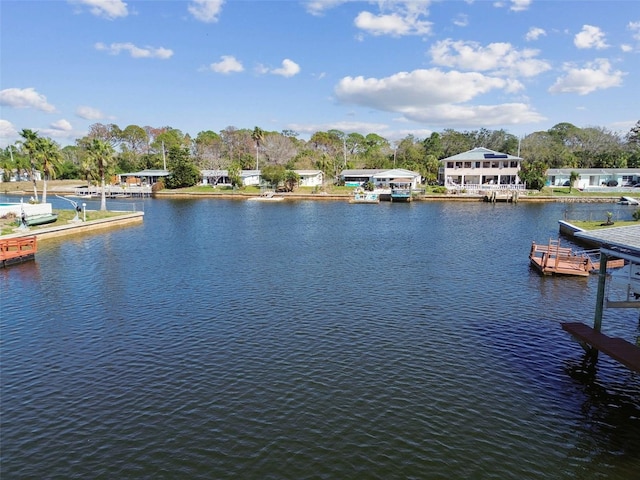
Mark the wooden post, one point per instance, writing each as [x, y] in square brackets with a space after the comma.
[592, 353]
[602, 278]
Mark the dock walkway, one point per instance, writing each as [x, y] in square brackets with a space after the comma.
[617, 348]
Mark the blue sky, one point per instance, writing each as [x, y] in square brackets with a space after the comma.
[388, 67]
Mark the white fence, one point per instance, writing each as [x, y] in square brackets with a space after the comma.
[115, 191]
[489, 187]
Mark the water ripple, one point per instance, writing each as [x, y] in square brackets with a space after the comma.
[288, 342]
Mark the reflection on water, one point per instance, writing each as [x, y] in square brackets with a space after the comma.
[225, 339]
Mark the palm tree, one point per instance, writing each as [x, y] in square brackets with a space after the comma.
[50, 158]
[257, 136]
[100, 152]
[573, 177]
[29, 145]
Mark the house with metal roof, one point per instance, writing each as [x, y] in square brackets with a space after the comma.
[594, 177]
[481, 168]
[381, 178]
[143, 177]
[308, 178]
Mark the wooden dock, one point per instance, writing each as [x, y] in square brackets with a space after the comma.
[552, 259]
[17, 250]
[617, 348]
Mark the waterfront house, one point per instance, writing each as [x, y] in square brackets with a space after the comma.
[310, 178]
[594, 177]
[220, 178]
[216, 178]
[143, 177]
[381, 178]
[481, 168]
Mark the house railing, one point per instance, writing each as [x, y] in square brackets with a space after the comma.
[474, 187]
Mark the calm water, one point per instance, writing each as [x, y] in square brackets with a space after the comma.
[229, 339]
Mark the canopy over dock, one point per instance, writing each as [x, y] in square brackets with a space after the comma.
[619, 242]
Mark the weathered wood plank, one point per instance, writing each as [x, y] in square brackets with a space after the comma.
[617, 348]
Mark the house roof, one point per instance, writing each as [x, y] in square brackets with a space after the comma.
[594, 171]
[361, 172]
[624, 240]
[147, 173]
[380, 173]
[481, 153]
[397, 173]
[308, 172]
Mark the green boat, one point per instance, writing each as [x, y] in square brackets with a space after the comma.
[42, 219]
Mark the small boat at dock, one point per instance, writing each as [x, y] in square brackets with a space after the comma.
[361, 196]
[267, 197]
[628, 201]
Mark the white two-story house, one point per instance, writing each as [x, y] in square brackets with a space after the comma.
[481, 168]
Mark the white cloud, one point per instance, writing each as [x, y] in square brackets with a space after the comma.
[89, 113]
[109, 9]
[347, 127]
[534, 33]
[206, 11]
[135, 52]
[634, 27]
[515, 5]
[461, 20]
[227, 64]
[590, 37]
[8, 133]
[62, 125]
[500, 58]
[433, 96]
[479, 115]
[318, 7]
[289, 68]
[25, 98]
[393, 24]
[519, 5]
[418, 89]
[594, 76]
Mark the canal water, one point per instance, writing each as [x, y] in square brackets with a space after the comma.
[231, 339]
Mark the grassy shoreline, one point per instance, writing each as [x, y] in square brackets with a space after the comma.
[561, 194]
[68, 186]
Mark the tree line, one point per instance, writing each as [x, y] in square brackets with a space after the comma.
[108, 149]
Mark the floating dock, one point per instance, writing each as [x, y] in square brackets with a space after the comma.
[552, 259]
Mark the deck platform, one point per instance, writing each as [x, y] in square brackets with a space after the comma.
[617, 348]
[17, 250]
[552, 259]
